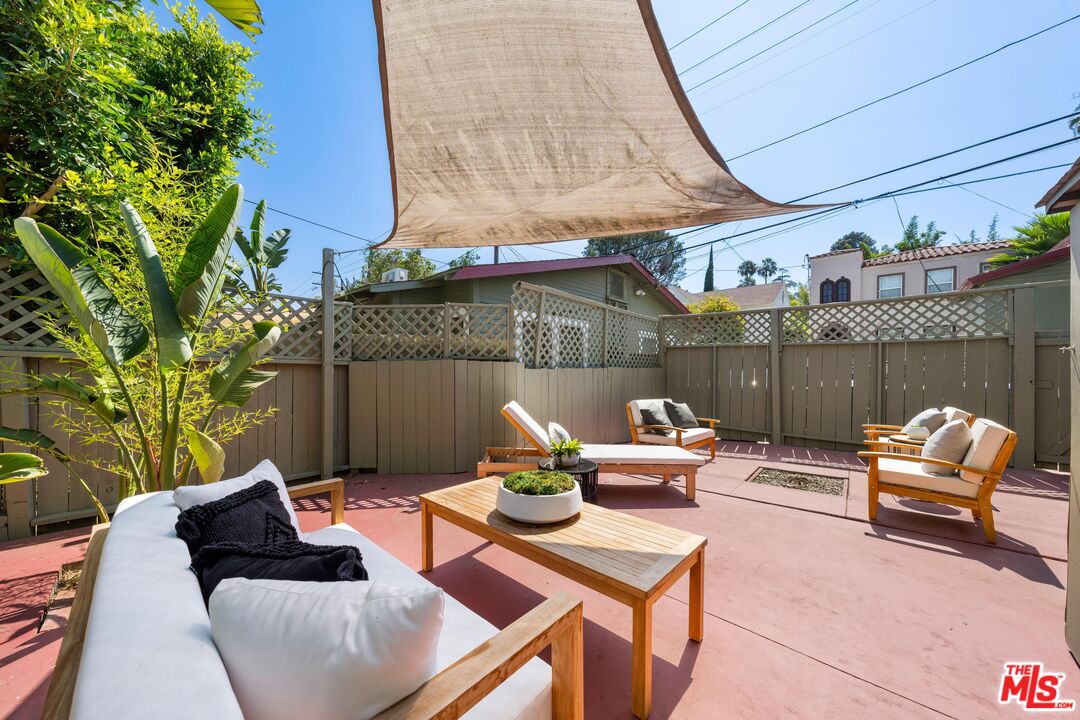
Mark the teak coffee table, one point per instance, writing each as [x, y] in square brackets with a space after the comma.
[622, 556]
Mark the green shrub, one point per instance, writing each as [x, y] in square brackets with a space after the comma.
[538, 482]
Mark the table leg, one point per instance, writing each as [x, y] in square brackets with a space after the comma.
[691, 484]
[427, 551]
[642, 654]
[697, 597]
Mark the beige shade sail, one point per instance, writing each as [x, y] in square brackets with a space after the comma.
[512, 122]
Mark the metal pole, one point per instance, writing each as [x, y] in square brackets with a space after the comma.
[327, 456]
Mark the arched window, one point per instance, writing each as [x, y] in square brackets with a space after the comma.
[843, 290]
[828, 292]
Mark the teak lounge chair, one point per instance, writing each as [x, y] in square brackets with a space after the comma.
[874, 431]
[665, 461]
[686, 438]
[969, 486]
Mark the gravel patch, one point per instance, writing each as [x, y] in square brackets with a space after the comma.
[799, 481]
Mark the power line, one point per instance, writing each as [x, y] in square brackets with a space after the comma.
[775, 44]
[906, 89]
[708, 25]
[744, 37]
[318, 224]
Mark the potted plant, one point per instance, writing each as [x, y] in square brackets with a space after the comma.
[538, 497]
[917, 432]
[566, 452]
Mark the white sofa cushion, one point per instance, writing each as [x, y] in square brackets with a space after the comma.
[952, 413]
[987, 437]
[147, 650]
[909, 474]
[525, 695]
[692, 435]
[187, 496]
[950, 442]
[640, 455]
[533, 429]
[326, 650]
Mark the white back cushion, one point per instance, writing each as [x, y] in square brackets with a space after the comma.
[987, 437]
[949, 442]
[187, 496]
[952, 413]
[327, 650]
[654, 404]
[532, 428]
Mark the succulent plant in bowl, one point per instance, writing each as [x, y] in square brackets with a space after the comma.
[538, 497]
[567, 453]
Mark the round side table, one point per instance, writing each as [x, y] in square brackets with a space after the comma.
[914, 445]
[586, 472]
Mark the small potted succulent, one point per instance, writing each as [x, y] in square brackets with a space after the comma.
[567, 453]
[539, 497]
[916, 431]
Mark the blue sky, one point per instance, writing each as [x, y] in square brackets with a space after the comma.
[317, 63]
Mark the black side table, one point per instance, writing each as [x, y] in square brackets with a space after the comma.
[585, 472]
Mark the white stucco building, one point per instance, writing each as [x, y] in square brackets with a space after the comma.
[845, 276]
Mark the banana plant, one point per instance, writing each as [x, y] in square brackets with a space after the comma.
[180, 308]
[20, 467]
[262, 252]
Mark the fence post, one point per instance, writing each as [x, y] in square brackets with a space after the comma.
[776, 337]
[15, 412]
[446, 330]
[1023, 397]
[327, 446]
[539, 330]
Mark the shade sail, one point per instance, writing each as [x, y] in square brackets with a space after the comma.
[512, 122]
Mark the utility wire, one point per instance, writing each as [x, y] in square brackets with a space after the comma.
[708, 25]
[906, 89]
[744, 37]
[317, 224]
[775, 44]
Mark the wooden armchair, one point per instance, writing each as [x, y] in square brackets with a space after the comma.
[970, 486]
[686, 438]
[557, 622]
[873, 431]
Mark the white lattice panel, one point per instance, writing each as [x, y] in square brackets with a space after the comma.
[571, 334]
[403, 331]
[300, 320]
[525, 306]
[478, 331]
[633, 341]
[734, 328]
[343, 327]
[24, 295]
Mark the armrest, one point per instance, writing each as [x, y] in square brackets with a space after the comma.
[678, 430]
[891, 444]
[877, 426]
[556, 622]
[513, 452]
[334, 486]
[711, 421]
[933, 461]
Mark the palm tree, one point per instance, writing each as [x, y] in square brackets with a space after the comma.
[1035, 238]
[747, 270]
[766, 269]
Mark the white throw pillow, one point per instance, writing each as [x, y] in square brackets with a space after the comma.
[931, 419]
[949, 442]
[952, 413]
[987, 437]
[558, 433]
[187, 496]
[324, 651]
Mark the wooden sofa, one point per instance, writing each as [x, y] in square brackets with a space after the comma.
[499, 677]
[686, 438]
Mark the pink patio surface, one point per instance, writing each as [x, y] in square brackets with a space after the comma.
[811, 610]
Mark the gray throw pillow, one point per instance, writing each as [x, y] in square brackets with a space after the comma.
[949, 442]
[931, 419]
[680, 415]
[654, 416]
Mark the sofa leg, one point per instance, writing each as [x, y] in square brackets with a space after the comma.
[987, 513]
[873, 498]
[976, 513]
[667, 479]
[712, 447]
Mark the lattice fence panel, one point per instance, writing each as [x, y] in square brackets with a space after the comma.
[735, 328]
[398, 332]
[478, 332]
[975, 315]
[525, 307]
[24, 296]
[571, 334]
[343, 330]
[300, 320]
[633, 341]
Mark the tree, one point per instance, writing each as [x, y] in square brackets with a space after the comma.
[1034, 238]
[801, 296]
[471, 257]
[655, 246]
[856, 240]
[714, 304]
[379, 261]
[262, 253]
[992, 231]
[785, 277]
[1074, 122]
[766, 269]
[747, 270]
[710, 283]
[913, 238]
[97, 99]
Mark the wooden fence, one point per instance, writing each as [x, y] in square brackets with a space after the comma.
[813, 375]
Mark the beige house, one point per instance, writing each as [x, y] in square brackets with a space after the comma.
[844, 275]
[749, 297]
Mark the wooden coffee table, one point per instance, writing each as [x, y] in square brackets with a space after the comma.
[622, 556]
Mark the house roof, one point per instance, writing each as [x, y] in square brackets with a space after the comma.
[835, 252]
[749, 296]
[937, 251]
[1053, 198]
[476, 272]
[1059, 253]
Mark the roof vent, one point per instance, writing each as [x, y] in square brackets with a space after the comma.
[394, 275]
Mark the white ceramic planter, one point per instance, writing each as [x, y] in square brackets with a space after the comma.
[569, 461]
[539, 509]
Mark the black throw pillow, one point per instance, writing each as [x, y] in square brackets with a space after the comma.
[651, 416]
[253, 515]
[680, 415]
[291, 560]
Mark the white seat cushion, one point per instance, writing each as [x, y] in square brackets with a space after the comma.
[640, 455]
[534, 430]
[655, 404]
[909, 474]
[526, 694]
[987, 437]
[689, 436]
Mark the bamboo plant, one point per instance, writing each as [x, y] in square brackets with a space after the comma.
[155, 453]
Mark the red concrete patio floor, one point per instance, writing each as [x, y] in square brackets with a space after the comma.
[811, 611]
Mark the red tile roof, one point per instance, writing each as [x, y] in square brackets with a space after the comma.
[749, 296]
[937, 251]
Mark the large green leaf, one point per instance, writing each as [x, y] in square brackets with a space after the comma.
[202, 268]
[243, 14]
[274, 247]
[33, 438]
[209, 457]
[19, 467]
[174, 348]
[233, 381]
[100, 400]
[115, 332]
[258, 231]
